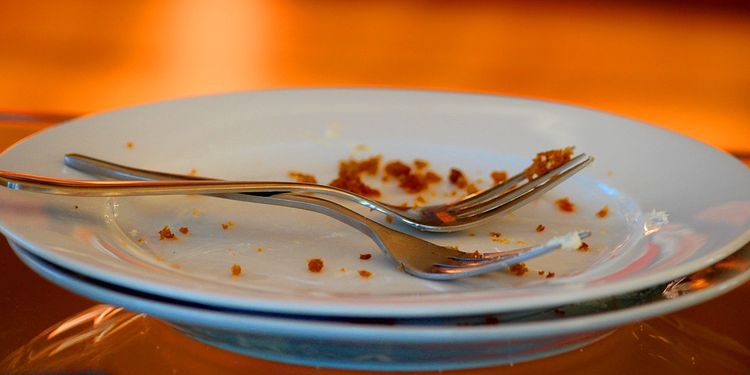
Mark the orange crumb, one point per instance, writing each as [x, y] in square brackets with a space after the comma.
[315, 265]
[389, 219]
[227, 225]
[584, 247]
[540, 228]
[365, 256]
[302, 177]
[260, 249]
[565, 205]
[364, 273]
[166, 234]
[397, 169]
[546, 161]
[76, 207]
[519, 269]
[411, 182]
[496, 234]
[603, 212]
[354, 184]
[193, 172]
[420, 164]
[456, 177]
[196, 212]
[184, 230]
[540, 272]
[445, 217]
[471, 189]
[550, 275]
[342, 269]
[349, 176]
[499, 176]
[141, 241]
[236, 269]
[130, 145]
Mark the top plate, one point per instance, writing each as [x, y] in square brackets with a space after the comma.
[675, 205]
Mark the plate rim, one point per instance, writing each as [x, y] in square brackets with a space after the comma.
[368, 309]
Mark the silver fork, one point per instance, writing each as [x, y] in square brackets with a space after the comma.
[414, 255]
[462, 214]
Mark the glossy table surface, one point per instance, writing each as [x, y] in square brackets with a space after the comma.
[677, 65]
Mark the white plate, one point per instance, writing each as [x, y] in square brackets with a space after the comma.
[641, 173]
[409, 345]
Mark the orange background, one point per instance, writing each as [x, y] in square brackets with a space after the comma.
[682, 65]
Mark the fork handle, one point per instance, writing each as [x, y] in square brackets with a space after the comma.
[371, 228]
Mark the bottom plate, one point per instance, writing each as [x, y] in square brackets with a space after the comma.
[409, 344]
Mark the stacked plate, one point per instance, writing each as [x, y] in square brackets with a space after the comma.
[236, 275]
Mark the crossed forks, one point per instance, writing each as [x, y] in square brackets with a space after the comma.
[415, 256]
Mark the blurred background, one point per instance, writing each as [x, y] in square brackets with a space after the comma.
[681, 65]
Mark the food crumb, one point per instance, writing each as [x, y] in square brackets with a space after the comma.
[540, 228]
[260, 249]
[550, 275]
[565, 205]
[420, 164]
[471, 189]
[184, 230]
[445, 217]
[365, 256]
[130, 145]
[603, 212]
[499, 238]
[546, 161]
[196, 212]
[540, 272]
[499, 176]
[302, 177]
[227, 225]
[315, 265]
[349, 176]
[193, 172]
[518, 269]
[342, 269]
[456, 177]
[76, 207]
[141, 241]
[236, 269]
[389, 219]
[364, 273]
[397, 169]
[166, 234]
[584, 247]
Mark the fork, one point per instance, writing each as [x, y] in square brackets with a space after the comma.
[450, 217]
[414, 255]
